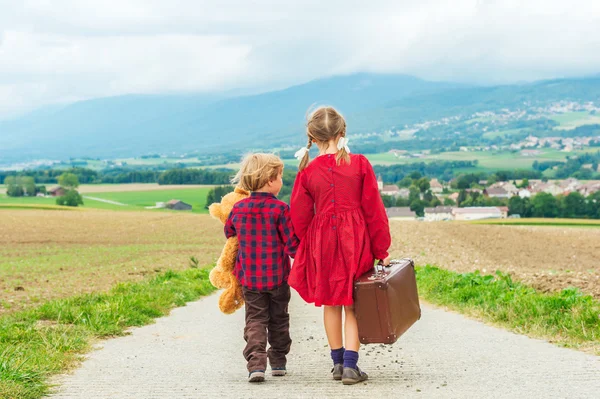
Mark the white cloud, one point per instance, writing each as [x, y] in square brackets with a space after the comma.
[60, 50]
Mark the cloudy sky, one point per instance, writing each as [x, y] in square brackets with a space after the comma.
[56, 51]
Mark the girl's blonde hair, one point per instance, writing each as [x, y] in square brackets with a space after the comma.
[323, 124]
[257, 170]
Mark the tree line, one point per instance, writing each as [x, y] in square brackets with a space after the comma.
[122, 176]
[544, 205]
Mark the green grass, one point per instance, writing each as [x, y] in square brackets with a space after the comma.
[36, 344]
[568, 318]
[487, 160]
[38, 207]
[136, 200]
[569, 118]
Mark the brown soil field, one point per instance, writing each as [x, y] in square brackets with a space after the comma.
[52, 254]
[547, 257]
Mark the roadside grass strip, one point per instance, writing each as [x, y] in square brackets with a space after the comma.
[39, 343]
[568, 318]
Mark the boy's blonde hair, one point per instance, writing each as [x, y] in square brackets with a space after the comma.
[323, 124]
[257, 170]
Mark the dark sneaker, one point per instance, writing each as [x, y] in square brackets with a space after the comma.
[278, 371]
[256, 376]
[337, 370]
[352, 376]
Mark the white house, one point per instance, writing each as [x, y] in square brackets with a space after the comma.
[438, 213]
[476, 213]
[524, 193]
[400, 213]
[435, 186]
[392, 190]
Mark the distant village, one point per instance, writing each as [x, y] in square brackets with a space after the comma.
[502, 190]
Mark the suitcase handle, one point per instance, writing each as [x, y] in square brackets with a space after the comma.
[392, 262]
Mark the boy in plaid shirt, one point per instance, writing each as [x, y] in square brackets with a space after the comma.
[266, 241]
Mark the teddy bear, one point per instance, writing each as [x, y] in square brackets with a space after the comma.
[221, 276]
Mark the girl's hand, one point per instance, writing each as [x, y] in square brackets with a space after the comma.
[386, 261]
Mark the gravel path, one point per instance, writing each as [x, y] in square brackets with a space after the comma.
[104, 200]
[196, 353]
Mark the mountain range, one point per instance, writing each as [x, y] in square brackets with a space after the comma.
[134, 125]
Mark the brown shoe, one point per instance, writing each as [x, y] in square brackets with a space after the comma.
[278, 371]
[352, 376]
[256, 376]
[337, 370]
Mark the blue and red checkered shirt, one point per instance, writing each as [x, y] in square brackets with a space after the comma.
[264, 229]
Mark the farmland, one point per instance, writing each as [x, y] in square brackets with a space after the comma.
[55, 254]
[547, 257]
[129, 197]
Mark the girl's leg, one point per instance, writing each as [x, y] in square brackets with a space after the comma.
[332, 318]
[351, 330]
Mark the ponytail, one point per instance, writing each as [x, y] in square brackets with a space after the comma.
[306, 156]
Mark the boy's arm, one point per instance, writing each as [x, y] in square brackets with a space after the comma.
[229, 227]
[286, 232]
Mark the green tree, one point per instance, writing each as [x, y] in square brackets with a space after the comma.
[13, 189]
[71, 198]
[414, 194]
[423, 184]
[28, 184]
[593, 205]
[544, 205]
[69, 181]
[388, 201]
[524, 183]
[406, 182]
[573, 206]
[449, 202]
[402, 201]
[418, 207]
[216, 194]
[428, 196]
[519, 206]
[462, 196]
[435, 202]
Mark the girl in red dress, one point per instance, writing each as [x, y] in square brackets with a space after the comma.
[341, 222]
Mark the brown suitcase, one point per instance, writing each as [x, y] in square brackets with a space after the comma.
[386, 302]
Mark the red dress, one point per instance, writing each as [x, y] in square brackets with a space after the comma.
[341, 222]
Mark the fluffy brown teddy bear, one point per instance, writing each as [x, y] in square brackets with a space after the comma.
[221, 276]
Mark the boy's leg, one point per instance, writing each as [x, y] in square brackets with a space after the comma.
[279, 327]
[255, 332]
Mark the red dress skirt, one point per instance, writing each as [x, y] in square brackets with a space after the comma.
[340, 219]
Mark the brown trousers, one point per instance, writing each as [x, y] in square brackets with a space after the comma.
[267, 320]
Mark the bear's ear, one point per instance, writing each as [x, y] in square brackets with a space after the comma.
[215, 211]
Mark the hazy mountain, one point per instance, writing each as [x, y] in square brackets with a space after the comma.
[137, 124]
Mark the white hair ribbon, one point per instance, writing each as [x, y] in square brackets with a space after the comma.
[343, 143]
[301, 152]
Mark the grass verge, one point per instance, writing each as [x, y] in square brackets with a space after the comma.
[568, 318]
[38, 343]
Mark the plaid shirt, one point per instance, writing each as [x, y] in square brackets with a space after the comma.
[264, 229]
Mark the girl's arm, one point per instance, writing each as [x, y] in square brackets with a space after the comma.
[374, 211]
[302, 206]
